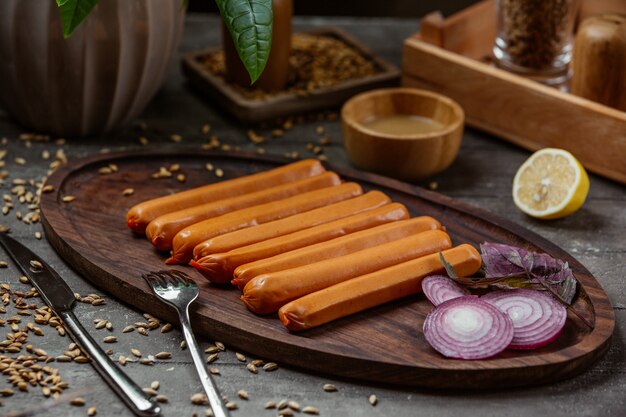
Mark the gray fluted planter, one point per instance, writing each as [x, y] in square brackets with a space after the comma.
[100, 78]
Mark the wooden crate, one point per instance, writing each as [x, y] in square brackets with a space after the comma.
[452, 56]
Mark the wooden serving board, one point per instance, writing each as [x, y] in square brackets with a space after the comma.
[384, 344]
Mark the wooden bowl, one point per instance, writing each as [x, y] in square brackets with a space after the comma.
[409, 157]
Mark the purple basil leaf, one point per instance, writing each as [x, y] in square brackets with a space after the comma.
[501, 260]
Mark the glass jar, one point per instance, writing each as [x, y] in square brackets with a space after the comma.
[534, 38]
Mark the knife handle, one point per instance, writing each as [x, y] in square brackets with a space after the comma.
[130, 392]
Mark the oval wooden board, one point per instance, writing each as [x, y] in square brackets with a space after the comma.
[384, 344]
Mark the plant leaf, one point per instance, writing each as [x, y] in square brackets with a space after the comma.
[504, 261]
[449, 268]
[73, 12]
[250, 25]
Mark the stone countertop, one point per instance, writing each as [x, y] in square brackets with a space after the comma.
[482, 176]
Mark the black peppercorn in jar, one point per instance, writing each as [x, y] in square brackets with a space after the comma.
[534, 38]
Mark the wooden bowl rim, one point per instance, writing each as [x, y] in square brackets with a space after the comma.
[455, 125]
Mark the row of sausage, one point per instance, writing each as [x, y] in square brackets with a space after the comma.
[298, 240]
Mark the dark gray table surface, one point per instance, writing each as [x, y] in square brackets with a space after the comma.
[481, 175]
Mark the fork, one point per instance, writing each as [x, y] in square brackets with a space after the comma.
[177, 289]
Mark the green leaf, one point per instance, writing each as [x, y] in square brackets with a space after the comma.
[73, 12]
[449, 268]
[250, 25]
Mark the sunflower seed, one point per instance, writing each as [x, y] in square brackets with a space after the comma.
[240, 357]
[101, 324]
[150, 392]
[214, 371]
[282, 404]
[211, 349]
[122, 360]
[162, 398]
[293, 405]
[128, 329]
[199, 399]
[166, 328]
[219, 173]
[110, 339]
[91, 411]
[4, 264]
[285, 412]
[78, 401]
[269, 405]
[252, 368]
[373, 400]
[163, 355]
[136, 352]
[311, 410]
[231, 405]
[330, 388]
[212, 358]
[128, 191]
[68, 198]
[243, 394]
[155, 385]
[270, 366]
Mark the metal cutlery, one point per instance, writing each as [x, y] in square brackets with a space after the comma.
[58, 295]
[177, 289]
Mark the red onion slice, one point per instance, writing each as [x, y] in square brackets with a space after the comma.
[468, 328]
[537, 317]
[440, 288]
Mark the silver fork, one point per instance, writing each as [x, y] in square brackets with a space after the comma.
[177, 289]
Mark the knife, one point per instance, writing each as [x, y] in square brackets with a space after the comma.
[56, 293]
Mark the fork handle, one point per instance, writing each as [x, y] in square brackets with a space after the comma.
[215, 400]
[123, 386]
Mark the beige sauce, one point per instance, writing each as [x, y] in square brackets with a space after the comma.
[404, 125]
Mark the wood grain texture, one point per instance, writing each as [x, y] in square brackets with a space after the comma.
[250, 111]
[513, 108]
[384, 344]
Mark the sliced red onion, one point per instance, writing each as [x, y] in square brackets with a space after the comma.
[537, 317]
[468, 328]
[440, 288]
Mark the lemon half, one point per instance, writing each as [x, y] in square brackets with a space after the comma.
[550, 184]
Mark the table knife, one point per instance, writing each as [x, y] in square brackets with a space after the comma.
[56, 293]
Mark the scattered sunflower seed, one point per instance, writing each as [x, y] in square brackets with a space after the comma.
[214, 371]
[128, 329]
[212, 358]
[122, 360]
[155, 385]
[286, 412]
[47, 188]
[128, 191]
[293, 405]
[240, 357]
[269, 405]
[199, 399]
[78, 401]
[311, 410]
[166, 328]
[4, 264]
[243, 394]
[183, 345]
[110, 339]
[252, 368]
[92, 411]
[219, 173]
[330, 388]
[220, 346]
[136, 352]
[163, 355]
[372, 400]
[231, 405]
[68, 198]
[270, 366]
[149, 392]
[162, 398]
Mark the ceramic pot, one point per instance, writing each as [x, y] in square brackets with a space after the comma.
[100, 78]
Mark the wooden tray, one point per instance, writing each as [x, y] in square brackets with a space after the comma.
[452, 56]
[252, 111]
[384, 344]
